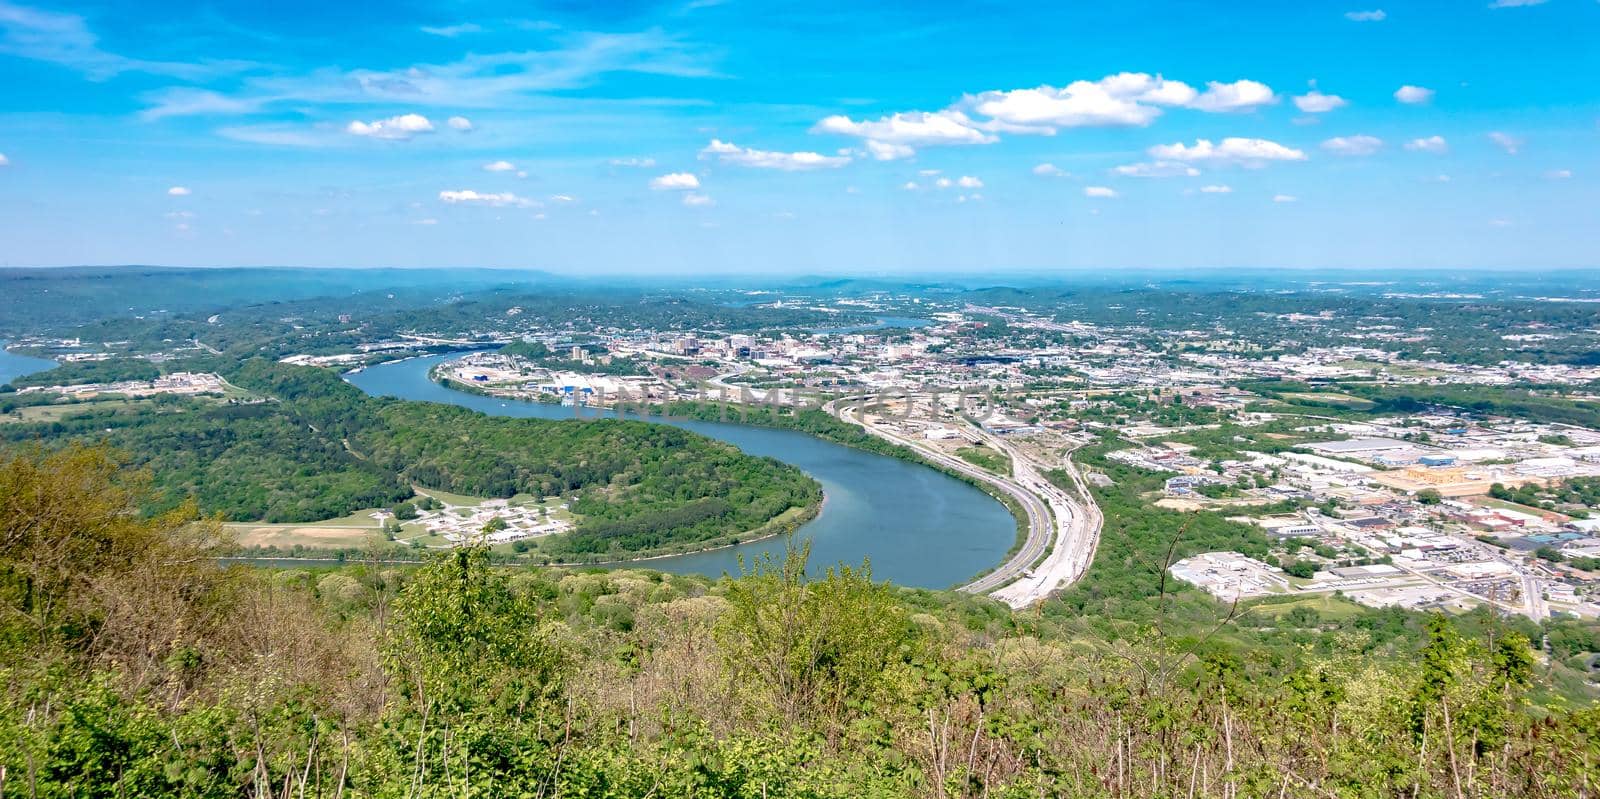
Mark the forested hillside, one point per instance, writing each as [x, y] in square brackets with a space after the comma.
[320, 448]
[134, 667]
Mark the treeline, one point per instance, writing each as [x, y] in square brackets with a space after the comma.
[324, 449]
[75, 372]
[134, 667]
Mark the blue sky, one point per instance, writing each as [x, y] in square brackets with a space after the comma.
[700, 136]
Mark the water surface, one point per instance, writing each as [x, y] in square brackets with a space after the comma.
[918, 527]
[13, 366]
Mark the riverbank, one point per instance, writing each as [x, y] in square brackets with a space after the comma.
[916, 525]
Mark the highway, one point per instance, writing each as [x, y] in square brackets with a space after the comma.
[1061, 530]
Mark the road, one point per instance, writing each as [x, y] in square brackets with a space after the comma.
[1076, 532]
[1062, 532]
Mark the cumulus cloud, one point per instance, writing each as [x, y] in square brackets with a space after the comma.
[897, 135]
[1126, 99]
[1156, 169]
[1233, 150]
[1353, 145]
[1049, 171]
[1099, 191]
[729, 153]
[497, 199]
[969, 182]
[499, 166]
[676, 181]
[1505, 141]
[459, 123]
[644, 163]
[695, 199]
[1315, 102]
[1284, 198]
[1216, 189]
[1241, 95]
[394, 128]
[1375, 15]
[888, 151]
[179, 191]
[1413, 95]
[1428, 144]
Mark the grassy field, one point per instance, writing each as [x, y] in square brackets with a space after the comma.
[346, 531]
[1500, 504]
[1327, 606]
[985, 457]
[1332, 398]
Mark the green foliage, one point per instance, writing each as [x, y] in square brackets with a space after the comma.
[822, 648]
[461, 679]
[324, 449]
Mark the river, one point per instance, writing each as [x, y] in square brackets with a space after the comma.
[13, 366]
[918, 527]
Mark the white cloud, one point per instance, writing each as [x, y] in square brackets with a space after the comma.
[459, 123]
[500, 199]
[695, 199]
[179, 191]
[1516, 3]
[1099, 191]
[910, 185]
[1284, 198]
[1232, 150]
[1157, 169]
[1413, 95]
[1375, 15]
[452, 31]
[1315, 102]
[1505, 141]
[1049, 171]
[66, 39]
[1216, 189]
[395, 128]
[1500, 223]
[501, 80]
[4, 161]
[897, 136]
[1554, 174]
[1241, 95]
[1353, 145]
[499, 166]
[729, 153]
[1429, 144]
[943, 183]
[1126, 99]
[563, 198]
[675, 181]
[969, 182]
[425, 222]
[888, 151]
[634, 162]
